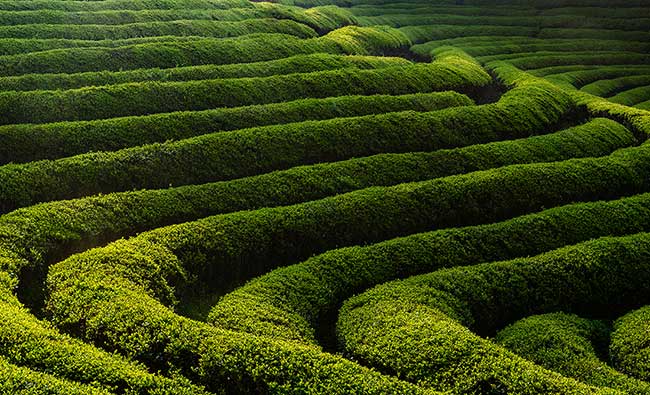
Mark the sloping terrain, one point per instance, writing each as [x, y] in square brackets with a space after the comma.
[332, 197]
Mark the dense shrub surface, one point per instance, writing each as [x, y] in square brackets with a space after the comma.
[206, 197]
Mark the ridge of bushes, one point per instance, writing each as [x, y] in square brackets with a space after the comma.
[142, 98]
[420, 329]
[570, 345]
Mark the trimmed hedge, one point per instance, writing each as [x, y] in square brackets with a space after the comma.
[552, 45]
[637, 120]
[293, 64]
[257, 47]
[569, 345]
[643, 105]
[403, 8]
[28, 142]
[227, 155]
[67, 138]
[418, 328]
[420, 34]
[224, 250]
[75, 5]
[114, 280]
[18, 380]
[630, 344]
[34, 237]
[556, 21]
[15, 46]
[536, 60]
[120, 304]
[595, 34]
[495, 45]
[587, 76]
[293, 302]
[155, 97]
[204, 28]
[604, 12]
[632, 96]
[320, 18]
[605, 87]
[29, 342]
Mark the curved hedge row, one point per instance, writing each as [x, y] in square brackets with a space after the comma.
[420, 34]
[227, 155]
[202, 28]
[630, 345]
[418, 328]
[536, 60]
[569, 345]
[555, 21]
[29, 142]
[291, 303]
[74, 5]
[551, 45]
[589, 75]
[632, 96]
[643, 105]
[27, 341]
[415, 8]
[127, 306]
[252, 48]
[113, 316]
[496, 45]
[293, 64]
[15, 379]
[16, 46]
[603, 34]
[610, 87]
[40, 234]
[114, 17]
[321, 18]
[224, 250]
[155, 97]
[609, 12]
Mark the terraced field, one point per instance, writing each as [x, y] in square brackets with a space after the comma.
[324, 197]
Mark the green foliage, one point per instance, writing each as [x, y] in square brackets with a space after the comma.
[320, 18]
[205, 28]
[226, 155]
[630, 346]
[569, 345]
[249, 48]
[154, 97]
[27, 341]
[21, 380]
[293, 64]
[291, 303]
[418, 328]
[27, 142]
[34, 236]
[609, 87]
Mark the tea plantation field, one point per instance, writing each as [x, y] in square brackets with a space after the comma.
[324, 197]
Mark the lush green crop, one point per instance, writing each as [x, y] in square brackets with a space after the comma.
[419, 327]
[203, 28]
[211, 197]
[629, 347]
[155, 97]
[28, 142]
[293, 64]
[226, 155]
[569, 345]
[250, 48]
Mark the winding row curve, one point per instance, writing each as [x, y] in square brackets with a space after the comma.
[346, 196]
